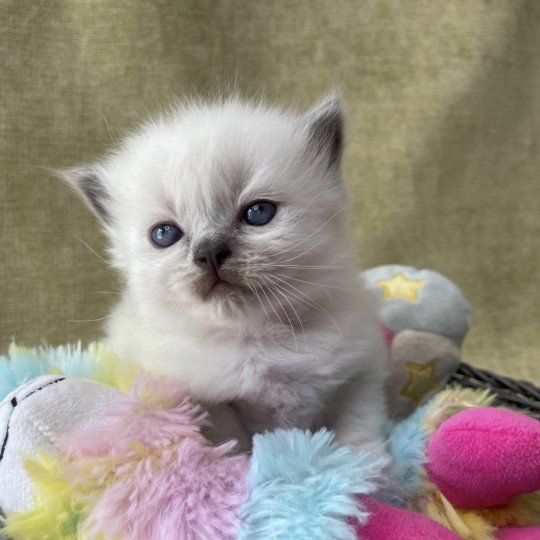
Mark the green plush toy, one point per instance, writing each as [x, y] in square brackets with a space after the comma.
[425, 320]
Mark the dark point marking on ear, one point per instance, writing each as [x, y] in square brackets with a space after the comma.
[89, 184]
[325, 130]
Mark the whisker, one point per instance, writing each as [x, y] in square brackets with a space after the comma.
[146, 262]
[296, 222]
[317, 284]
[90, 320]
[270, 304]
[303, 266]
[282, 292]
[303, 252]
[337, 212]
[286, 314]
[94, 252]
[310, 302]
[254, 290]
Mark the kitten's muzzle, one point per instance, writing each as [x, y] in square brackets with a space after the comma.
[210, 257]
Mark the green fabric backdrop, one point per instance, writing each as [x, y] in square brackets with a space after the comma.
[443, 156]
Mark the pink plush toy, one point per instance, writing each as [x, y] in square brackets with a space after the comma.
[483, 477]
[485, 457]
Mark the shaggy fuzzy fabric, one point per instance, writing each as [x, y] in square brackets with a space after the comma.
[95, 362]
[407, 445]
[57, 513]
[304, 486]
[189, 492]
[519, 533]
[147, 472]
[155, 414]
[159, 478]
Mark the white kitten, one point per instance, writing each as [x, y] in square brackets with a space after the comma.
[227, 223]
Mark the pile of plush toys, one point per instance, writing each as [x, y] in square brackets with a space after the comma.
[93, 447]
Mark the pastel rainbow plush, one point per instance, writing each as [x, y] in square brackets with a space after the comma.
[96, 448]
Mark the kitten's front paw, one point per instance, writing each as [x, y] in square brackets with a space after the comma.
[225, 426]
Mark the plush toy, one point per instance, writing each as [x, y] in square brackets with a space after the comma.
[469, 466]
[142, 469]
[426, 319]
[131, 462]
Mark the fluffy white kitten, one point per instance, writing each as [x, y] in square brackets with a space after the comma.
[227, 223]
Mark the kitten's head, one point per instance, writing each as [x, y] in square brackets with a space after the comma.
[224, 206]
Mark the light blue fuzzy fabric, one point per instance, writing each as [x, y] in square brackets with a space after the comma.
[304, 486]
[407, 446]
[21, 365]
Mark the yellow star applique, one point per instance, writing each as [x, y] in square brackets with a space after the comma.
[421, 381]
[401, 286]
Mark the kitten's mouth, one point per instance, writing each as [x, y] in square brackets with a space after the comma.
[216, 286]
[220, 285]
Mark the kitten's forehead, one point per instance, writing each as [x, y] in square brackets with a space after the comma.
[210, 159]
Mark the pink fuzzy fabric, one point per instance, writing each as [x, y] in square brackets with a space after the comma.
[151, 473]
[484, 457]
[191, 492]
[390, 523]
[519, 533]
[156, 413]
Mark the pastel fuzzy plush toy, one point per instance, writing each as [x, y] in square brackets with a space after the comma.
[139, 467]
[95, 448]
[425, 319]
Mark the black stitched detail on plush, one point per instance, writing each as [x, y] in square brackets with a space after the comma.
[14, 402]
[44, 386]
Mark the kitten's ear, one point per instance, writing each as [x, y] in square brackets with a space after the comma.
[88, 182]
[325, 130]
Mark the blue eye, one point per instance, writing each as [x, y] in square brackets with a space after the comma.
[166, 235]
[259, 213]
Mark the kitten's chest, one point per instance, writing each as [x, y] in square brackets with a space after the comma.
[266, 372]
[276, 386]
[284, 403]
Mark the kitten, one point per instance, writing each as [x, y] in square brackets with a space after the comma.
[227, 223]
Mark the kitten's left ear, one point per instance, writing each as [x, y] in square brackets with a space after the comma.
[88, 182]
[325, 130]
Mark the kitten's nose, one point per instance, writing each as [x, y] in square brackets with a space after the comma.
[211, 256]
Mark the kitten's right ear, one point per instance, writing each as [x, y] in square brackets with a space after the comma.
[88, 182]
[325, 128]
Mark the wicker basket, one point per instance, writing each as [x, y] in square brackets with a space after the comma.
[520, 395]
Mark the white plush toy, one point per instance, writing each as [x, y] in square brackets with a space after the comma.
[36, 416]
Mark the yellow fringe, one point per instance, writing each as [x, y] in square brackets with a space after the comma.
[465, 523]
[55, 514]
[452, 401]
[112, 370]
[523, 511]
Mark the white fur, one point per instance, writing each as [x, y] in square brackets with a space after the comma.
[303, 350]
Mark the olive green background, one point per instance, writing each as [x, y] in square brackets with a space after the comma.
[443, 156]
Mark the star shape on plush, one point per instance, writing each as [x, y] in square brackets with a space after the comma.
[401, 286]
[421, 380]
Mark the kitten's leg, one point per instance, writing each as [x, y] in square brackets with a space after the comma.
[358, 415]
[226, 425]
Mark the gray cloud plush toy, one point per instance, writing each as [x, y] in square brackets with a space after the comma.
[425, 319]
